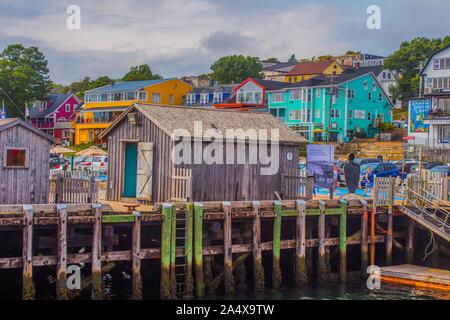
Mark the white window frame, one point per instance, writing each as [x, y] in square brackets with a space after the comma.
[204, 98]
[280, 95]
[366, 85]
[351, 93]
[156, 97]
[217, 97]
[67, 106]
[380, 97]
[144, 93]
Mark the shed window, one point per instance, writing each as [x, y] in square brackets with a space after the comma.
[15, 158]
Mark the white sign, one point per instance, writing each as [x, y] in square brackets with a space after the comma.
[360, 114]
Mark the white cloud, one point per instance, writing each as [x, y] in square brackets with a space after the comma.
[187, 36]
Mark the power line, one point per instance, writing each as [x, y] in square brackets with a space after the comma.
[10, 99]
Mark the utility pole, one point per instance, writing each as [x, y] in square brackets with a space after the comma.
[331, 102]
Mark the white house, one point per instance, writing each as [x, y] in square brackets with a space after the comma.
[435, 77]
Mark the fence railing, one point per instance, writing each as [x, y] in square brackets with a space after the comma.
[65, 188]
[181, 184]
[296, 184]
[412, 151]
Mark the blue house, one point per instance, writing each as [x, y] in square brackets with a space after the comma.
[343, 107]
[207, 97]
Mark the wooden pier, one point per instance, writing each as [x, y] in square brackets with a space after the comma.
[203, 247]
[417, 276]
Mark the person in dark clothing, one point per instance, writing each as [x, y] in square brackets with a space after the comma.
[352, 173]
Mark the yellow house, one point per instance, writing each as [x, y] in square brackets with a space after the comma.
[104, 104]
[308, 70]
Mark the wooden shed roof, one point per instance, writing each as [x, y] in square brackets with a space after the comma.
[11, 122]
[172, 118]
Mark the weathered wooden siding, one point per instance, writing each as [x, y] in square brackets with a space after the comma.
[162, 148]
[239, 182]
[28, 185]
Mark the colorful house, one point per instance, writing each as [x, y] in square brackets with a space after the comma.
[54, 115]
[207, 97]
[105, 104]
[307, 70]
[251, 95]
[347, 106]
[278, 71]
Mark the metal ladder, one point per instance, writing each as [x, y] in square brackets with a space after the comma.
[427, 210]
[180, 261]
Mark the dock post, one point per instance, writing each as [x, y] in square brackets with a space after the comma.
[364, 240]
[410, 241]
[136, 249]
[166, 254]
[343, 241]
[301, 277]
[198, 249]
[173, 253]
[372, 235]
[389, 236]
[188, 247]
[97, 289]
[258, 269]
[28, 289]
[61, 267]
[322, 266]
[227, 253]
[276, 268]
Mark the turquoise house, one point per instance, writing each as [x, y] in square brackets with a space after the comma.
[345, 106]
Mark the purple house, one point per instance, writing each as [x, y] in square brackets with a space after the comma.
[54, 115]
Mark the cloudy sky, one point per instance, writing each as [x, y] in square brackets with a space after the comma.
[184, 37]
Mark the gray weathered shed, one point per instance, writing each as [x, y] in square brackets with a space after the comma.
[142, 141]
[24, 169]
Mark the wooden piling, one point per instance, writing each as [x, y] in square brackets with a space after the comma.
[364, 240]
[276, 268]
[343, 242]
[198, 249]
[410, 241]
[136, 263]
[166, 254]
[28, 289]
[173, 253]
[301, 277]
[322, 267]
[372, 235]
[96, 266]
[258, 269]
[227, 253]
[389, 236]
[61, 266]
[189, 250]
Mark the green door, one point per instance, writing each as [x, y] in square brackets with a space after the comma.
[129, 189]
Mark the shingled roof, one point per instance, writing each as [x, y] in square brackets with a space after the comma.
[171, 118]
[54, 101]
[308, 68]
[11, 122]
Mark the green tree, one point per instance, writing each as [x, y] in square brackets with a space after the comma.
[235, 68]
[142, 72]
[292, 59]
[407, 61]
[23, 77]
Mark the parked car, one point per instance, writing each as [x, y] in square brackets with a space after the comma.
[442, 169]
[58, 164]
[385, 169]
[95, 164]
[363, 161]
[426, 166]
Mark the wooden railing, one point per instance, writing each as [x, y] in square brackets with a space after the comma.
[65, 188]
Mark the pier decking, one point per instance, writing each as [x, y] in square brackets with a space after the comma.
[417, 276]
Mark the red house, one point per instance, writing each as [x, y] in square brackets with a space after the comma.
[251, 94]
[54, 115]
